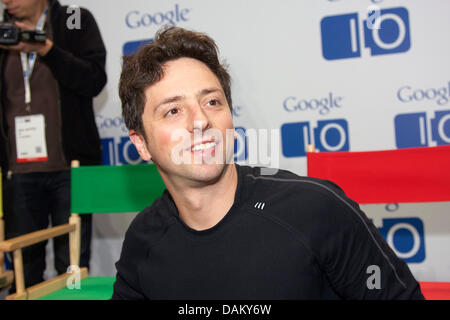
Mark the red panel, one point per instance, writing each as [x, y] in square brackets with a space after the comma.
[435, 290]
[391, 176]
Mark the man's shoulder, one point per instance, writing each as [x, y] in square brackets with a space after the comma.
[56, 7]
[285, 182]
[301, 202]
[63, 13]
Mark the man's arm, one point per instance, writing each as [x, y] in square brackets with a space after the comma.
[123, 291]
[127, 285]
[357, 261]
[41, 48]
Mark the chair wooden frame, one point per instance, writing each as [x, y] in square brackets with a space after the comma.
[15, 245]
[98, 189]
[6, 276]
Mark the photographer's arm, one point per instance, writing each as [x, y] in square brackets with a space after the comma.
[83, 70]
[41, 48]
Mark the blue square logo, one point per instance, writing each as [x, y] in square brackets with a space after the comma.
[392, 34]
[406, 237]
[411, 130]
[132, 47]
[340, 37]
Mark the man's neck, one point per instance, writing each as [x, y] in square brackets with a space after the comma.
[34, 18]
[203, 207]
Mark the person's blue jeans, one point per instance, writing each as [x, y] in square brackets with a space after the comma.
[32, 201]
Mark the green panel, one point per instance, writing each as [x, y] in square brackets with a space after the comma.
[109, 189]
[91, 288]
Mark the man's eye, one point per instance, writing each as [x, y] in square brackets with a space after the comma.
[172, 112]
[214, 102]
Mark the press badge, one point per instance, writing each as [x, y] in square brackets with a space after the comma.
[30, 138]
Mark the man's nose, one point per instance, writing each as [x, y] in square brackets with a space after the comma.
[198, 120]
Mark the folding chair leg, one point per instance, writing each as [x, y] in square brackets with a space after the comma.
[18, 271]
[75, 240]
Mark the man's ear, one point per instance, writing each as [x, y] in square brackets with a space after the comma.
[140, 144]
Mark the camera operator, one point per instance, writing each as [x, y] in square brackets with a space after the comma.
[47, 120]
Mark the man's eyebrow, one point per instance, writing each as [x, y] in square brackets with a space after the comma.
[207, 91]
[178, 98]
[169, 100]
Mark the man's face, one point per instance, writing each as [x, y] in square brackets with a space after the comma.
[22, 9]
[187, 122]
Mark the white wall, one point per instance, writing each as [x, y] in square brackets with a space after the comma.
[275, 51]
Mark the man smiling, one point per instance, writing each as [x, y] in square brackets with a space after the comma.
[224, 231]
[191, 98]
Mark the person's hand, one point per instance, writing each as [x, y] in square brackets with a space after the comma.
[41, 48]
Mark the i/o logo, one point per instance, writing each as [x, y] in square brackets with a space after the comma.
[418, 130]
[131, 47]
[406, 237]
[240, 145]
[328, 135]
[389, 34]
[121, 152]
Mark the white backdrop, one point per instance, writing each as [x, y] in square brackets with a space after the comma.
[316, 71]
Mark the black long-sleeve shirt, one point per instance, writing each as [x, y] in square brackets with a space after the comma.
[285, 237]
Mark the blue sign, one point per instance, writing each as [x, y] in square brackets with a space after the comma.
[341, 38]
[121, 152]
[131, 47]
[329, 135]
[240, 145]
[414, 129]
[406, 237]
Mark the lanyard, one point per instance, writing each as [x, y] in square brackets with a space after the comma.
[28, 63]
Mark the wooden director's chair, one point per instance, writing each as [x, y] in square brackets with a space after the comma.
[6, 276]
[94, 189]
[389, 176]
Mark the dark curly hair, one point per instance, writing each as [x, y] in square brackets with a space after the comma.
[145, 68]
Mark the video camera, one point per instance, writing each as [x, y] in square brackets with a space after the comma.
[11, 35]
